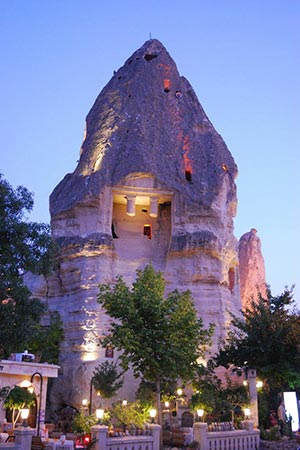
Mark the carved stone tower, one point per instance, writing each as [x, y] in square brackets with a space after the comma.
[154, 184]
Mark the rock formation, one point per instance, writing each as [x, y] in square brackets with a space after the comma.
[154, 184]
[252, 268]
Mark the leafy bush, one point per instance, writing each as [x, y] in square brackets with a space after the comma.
[135, 413]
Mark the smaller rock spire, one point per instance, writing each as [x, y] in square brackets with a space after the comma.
[252, 268]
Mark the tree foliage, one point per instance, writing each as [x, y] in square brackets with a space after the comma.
[159, 337]
[133, 413]
[106, 379]
[24, 246]
[222, 401]
[267, 338]
[17, 399]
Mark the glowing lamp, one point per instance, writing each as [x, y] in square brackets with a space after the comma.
[24, 416]
[152, 413]
[24, 413]
[167, 404]
[247, 412]
[179, 392]
[259, 384]
[99, 414]
[84, 402]
[200, 413]
[124, 402]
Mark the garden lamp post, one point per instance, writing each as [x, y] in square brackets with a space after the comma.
[40, 400]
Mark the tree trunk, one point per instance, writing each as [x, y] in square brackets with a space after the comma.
[158, 407]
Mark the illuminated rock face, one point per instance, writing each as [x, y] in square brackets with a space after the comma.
[252, 268]
[154, 184]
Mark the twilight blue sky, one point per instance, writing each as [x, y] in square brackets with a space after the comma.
[242, 58]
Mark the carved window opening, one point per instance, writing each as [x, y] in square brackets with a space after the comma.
[148, 57]
[166, 85]
[147, 230]
[188, 175]
[231, 278]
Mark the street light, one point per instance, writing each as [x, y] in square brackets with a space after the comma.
[40, 401]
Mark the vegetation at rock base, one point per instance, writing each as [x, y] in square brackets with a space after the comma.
[223, 402]
[24, 247]
[267, 338]
[159, 336]
[132, 414]
[105, 379]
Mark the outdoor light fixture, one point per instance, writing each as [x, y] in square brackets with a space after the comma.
[259, 384]
[40, 399]
[167, 404]
[247, 412]
[99, 415]
[124, 402]
[24, 416]
[152, 413]
[84, 402]
[91, 395]
[27, 385]
[200, 413]
[179, 392]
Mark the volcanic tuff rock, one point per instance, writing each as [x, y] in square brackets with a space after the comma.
[154, 184]
[148, 119]
[252, 268]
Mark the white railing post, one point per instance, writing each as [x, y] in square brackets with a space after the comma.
[23, 437]
[251, 377]
[155, 432]
[200, 434]
[248, 425]
[99, 432]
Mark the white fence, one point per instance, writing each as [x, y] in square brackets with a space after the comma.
[103, 442]
[246, 439]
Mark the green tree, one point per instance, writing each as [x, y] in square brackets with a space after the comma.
[24, 246]
[46, 341]
[106, 379]
[17, 399]
[267, 338]
[160, 337]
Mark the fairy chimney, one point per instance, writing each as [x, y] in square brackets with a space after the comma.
[252, 268]
[154, 184]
